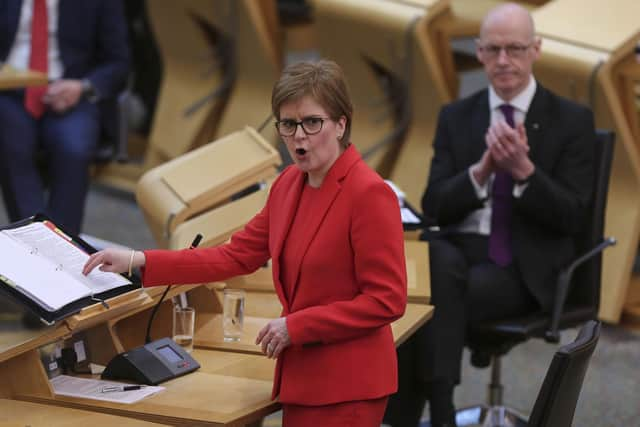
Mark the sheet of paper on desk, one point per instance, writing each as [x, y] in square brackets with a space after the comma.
[408, 217]
[86, 388]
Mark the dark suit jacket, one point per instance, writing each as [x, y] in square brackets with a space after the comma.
[351, 281]
[551, 210]
[92, 38]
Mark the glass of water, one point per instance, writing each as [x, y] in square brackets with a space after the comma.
[233, 314]
[184, 320]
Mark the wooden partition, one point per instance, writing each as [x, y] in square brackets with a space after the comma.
[430, 86]
[220, 59]
[468, 14]
[258, 60]
[193, 40]
[587, 56]
[392, 59]
[203, 179]
[368, 39]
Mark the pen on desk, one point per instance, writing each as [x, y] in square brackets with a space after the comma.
[109, 389]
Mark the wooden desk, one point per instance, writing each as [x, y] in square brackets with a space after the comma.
[20, 414]
[13, 344]
[232, 388]
[262, 305]
[229, 390]
[15, 79]
[418, 273]
[241, 371]
[210, 335]
[415, 316]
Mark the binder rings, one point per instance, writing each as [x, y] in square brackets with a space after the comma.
[41, 268]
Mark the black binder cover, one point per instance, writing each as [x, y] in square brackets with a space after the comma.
[73, 307]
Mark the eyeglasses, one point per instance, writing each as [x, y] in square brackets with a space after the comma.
[512, 50]
[310, 125]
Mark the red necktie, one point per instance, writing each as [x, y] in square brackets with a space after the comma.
[500, 238]
[38, 60]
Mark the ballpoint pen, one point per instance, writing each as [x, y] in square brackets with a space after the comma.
[111, 388]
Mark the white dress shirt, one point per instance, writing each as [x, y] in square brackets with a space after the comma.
[479, 221]
[21, 49]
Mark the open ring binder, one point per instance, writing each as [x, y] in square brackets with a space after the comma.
[41, 268]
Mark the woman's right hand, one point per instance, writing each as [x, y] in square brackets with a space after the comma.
[114, 260]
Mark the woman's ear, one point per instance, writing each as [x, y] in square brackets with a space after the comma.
[341, 126]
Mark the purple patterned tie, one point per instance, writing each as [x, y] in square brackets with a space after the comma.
[500, 238]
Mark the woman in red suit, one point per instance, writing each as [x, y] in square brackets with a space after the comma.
[333, 231]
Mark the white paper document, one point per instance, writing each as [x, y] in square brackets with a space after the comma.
[86, 388]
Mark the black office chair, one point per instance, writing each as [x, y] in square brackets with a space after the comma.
[577, 300]
[558, 396]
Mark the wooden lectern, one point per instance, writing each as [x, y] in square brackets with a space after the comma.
[229, 389]
[202, 180]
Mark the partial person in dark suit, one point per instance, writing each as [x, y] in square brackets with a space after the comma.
[81, 45]
[510, 181]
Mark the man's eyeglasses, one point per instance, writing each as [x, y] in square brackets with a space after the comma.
[512, 50]
[310, 125]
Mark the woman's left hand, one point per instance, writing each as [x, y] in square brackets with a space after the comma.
[274, 338]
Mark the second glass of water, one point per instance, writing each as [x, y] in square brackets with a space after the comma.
[233, 314]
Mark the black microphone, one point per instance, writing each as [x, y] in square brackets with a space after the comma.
[147, 339]
[196, 241]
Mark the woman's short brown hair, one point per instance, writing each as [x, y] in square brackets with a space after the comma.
[323, 81]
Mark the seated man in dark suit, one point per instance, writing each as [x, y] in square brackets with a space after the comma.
[510, 181]
[81, 45]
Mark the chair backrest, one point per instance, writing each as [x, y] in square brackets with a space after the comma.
[586, 292]
[558, 396]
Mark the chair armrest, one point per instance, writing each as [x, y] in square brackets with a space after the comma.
[564, 282]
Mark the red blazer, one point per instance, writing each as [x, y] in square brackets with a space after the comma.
[351, 281]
